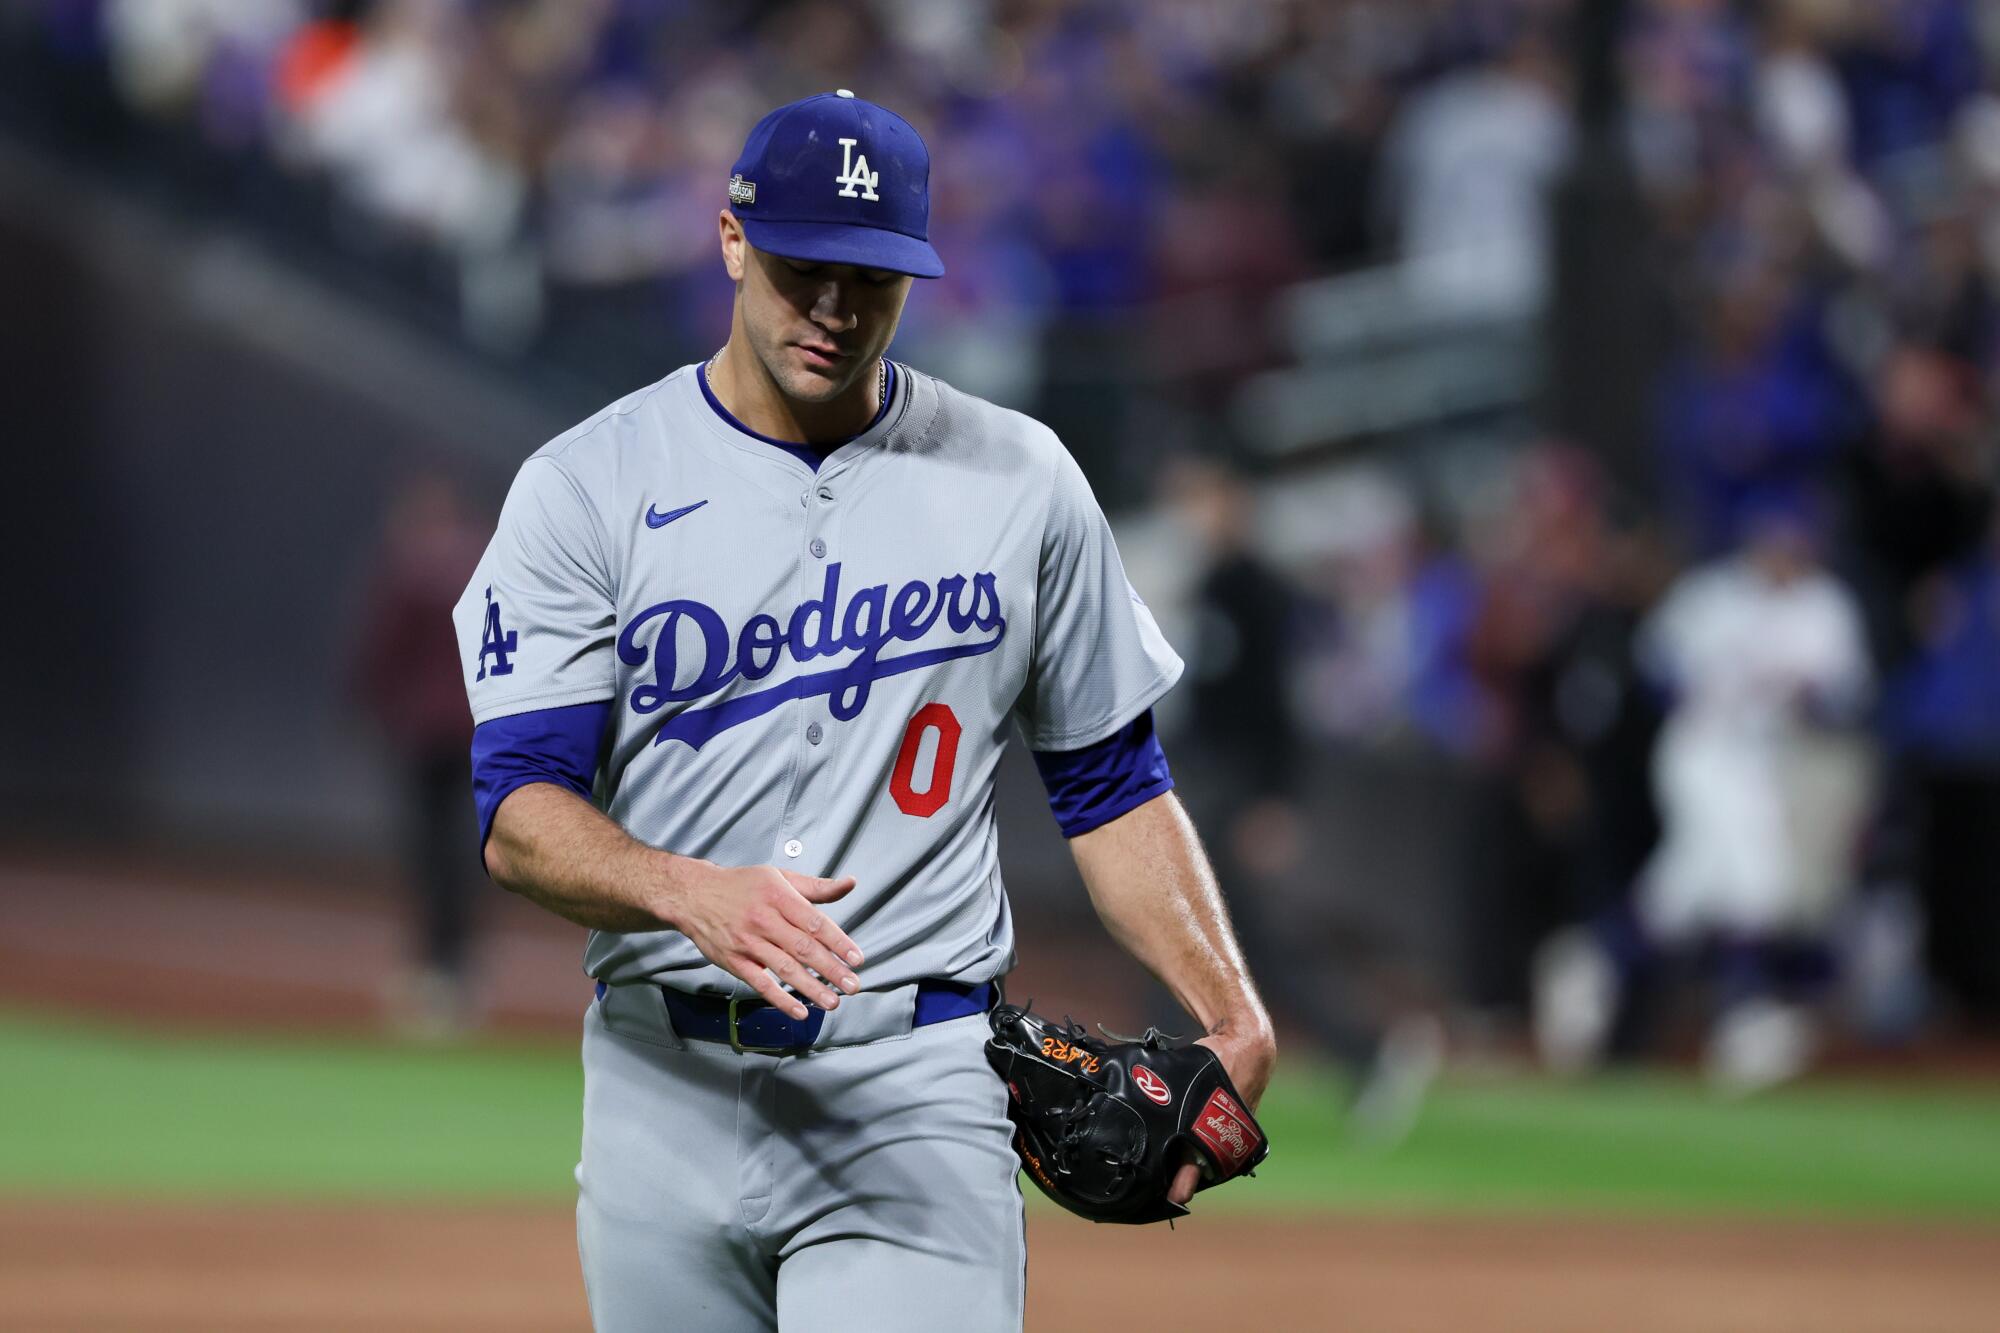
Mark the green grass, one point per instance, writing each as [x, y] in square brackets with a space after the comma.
[1655, 1143]
[93, 1110]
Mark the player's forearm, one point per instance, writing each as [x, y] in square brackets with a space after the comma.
[762, 925]
[1151, 884]
[558, 850]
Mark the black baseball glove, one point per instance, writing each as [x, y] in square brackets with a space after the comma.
[1104, 1125]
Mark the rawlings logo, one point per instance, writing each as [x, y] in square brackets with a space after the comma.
[819, 627]
[1152, 1085]
[1227, 1131]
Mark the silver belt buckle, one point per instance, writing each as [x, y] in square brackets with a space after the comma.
[736, 1004]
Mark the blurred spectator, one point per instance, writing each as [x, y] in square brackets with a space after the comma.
[1357, 668]
[1602, 720]
[1922, 493]
[1608, 714]
[1908, 66]
[1757, 410]
[1550, 646]
[163, 51]
[1763, 778]
[388, 127]
[409, 678]
[1245, 743]
[1472, 160]
[314, 59]
[1945, 722]
[1388, 664]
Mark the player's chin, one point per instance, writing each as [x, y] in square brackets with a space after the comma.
[818, 378]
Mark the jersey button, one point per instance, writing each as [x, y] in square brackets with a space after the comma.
[818, 549]
[826, 494]
[794, 847]
[813, 733]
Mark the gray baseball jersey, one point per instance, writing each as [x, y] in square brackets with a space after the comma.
[815, 670]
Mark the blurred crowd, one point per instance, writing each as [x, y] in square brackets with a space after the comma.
[1091, 157]
[1733, 719]
[1094, 156]
[1739, 713]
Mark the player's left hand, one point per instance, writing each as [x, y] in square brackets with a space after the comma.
[1105, 1127]
[1249, 1061]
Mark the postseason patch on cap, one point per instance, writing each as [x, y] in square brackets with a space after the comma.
[741, 191]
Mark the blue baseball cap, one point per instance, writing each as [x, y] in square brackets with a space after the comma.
[837, 180]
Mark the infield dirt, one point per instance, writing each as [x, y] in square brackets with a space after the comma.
[71, 1266]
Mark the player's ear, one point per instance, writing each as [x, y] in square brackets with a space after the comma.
[735, 247]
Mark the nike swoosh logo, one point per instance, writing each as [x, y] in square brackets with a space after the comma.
[655, 519]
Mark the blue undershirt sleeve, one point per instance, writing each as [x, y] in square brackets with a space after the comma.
[1091, 787]
[559, 745]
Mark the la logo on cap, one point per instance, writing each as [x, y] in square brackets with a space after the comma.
[854, 171]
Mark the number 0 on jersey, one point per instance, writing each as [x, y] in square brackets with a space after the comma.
[937, 790]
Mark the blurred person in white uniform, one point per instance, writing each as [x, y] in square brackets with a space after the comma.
[1762, 773]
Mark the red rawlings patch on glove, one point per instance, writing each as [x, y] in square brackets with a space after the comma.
[1228, 1132]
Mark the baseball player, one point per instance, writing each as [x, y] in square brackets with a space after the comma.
[743, 655]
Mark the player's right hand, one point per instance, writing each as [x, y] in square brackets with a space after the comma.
[754, 921]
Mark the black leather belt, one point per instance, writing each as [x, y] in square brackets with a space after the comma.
[747, 1023]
